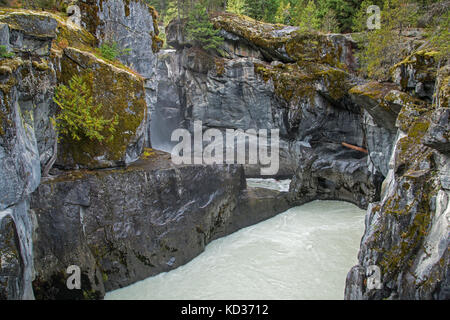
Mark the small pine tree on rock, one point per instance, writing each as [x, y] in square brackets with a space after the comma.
[200, 30]
[79, 116]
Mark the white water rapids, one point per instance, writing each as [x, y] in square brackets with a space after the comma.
[303, 253]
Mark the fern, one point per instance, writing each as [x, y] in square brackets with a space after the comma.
[4, 53]
[111, 50]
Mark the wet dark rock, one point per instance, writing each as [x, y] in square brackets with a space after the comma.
[126, 225]
[11, 265]
[256, 205]
[334, 173]
[406, 234]
[437, 136]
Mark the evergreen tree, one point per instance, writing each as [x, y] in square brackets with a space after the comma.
[201, 31]
[306, 16]
[344, 10]
[359, 20]
[254, 9]
[283, 14]
[79, 116]
[384, 46]
[270, 10]
[330, 22]
[236, 6]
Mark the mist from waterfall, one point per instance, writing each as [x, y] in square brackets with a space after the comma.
[163, 123]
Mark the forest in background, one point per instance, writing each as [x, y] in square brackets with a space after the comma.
[325, 15]
[379, 48]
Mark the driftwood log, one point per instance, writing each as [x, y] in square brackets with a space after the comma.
[350, 146]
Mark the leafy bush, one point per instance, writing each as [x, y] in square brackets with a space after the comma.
[111, 50]
[4, 53]
[79, 117]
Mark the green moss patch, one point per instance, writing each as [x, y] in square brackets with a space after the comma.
[119, 92]
[257, 32]
[295, 83]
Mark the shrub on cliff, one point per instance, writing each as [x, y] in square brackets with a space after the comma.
[200, 31]
[5, 53]
[79, 117]
[384, 47]
[439, 35]
[111, 50]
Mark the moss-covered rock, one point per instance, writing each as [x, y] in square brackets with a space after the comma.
[268, 37]
[406, 234]
[438, 134]
[286, 43]
[295, 83]
[121, 93]
[11, 264]
[383, 101]
[416, 74]
[34, 24]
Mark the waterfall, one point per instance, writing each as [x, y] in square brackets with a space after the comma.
[166, 115]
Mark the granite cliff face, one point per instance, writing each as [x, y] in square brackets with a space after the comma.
[132, 25]
[48, 50]
[270, 77]
[123, 212]
[118, 211]
[407, 231]
[26, 140]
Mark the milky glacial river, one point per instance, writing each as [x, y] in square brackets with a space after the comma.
[304, 253]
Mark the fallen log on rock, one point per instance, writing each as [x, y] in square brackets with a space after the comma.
[350, 146]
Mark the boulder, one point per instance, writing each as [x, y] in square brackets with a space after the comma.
[133, 25]
[119, 92]
[124, 225]
[416, 74]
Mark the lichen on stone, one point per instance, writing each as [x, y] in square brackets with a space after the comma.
[119, 92]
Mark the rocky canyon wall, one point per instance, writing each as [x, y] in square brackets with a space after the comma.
[123, 212]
